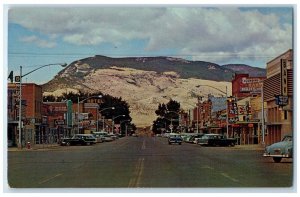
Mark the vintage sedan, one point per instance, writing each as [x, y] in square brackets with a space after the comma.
[79, 139]
[175, 138]
[212, 139]
[279, 150]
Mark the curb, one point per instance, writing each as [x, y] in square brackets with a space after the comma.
[34, 148]
[249, 147]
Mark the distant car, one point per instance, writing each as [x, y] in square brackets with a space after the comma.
[175, 139]
[99, 138]
[107, 138]
[113, 136]
[134, 135]
[195, 139]
[216, 140]
[79, 139]
[279, 150]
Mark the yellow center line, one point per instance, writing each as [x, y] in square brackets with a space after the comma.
[135, 180]
[144, 145]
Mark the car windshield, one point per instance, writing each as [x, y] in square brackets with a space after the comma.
[287, 138]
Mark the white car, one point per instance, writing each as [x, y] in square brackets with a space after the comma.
[279, 150]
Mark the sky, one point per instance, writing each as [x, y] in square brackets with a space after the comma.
[47, 34]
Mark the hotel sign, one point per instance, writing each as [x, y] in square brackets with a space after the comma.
[250, 84]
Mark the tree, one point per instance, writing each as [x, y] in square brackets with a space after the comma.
[173, 106]
[120, 108]
[161, 111]
[49, 98]
[166, 113]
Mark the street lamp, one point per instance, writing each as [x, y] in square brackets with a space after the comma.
[262, 114]
[99, 96]
[171, 123]
[126, 125]
[198, 113]
[179, 119]
[227, 121]
[20, 95]
[103, 117]
[113, 122]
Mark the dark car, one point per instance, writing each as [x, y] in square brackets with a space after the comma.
[216, 140]
[79, 139]
[175, 139]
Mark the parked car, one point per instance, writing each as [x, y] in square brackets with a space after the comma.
[79, 139]
[279, 150]
[189, 137]
[134, 135]
[175, 138]
[113, 136]
[196, 138]
[107, 138]
[99, 138]
[216, 140]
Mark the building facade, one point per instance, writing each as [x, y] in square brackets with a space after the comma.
[278, 94]
[31, 114]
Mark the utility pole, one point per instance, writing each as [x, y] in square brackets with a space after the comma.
[20, 109]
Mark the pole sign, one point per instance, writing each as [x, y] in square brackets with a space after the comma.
[284, 85]
[281, 100]
[69, 113]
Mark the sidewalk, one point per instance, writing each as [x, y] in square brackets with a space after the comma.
[35, 147]
[258, 147]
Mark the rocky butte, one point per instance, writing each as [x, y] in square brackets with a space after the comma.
[144, 82]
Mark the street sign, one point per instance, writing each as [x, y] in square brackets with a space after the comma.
[59, 122]
[17, 78]
[281, 100]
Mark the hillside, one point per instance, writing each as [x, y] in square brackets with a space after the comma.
[143, 82]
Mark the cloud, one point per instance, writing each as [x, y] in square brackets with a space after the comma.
[223, 33]
[39, 42]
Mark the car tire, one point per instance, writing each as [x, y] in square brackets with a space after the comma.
[68, 144]
[179, 143]
[277, 159]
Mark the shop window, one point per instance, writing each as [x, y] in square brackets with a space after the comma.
[285, 115]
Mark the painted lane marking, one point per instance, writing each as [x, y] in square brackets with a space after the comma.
[144, 145]
[46, 180]
[135, 180]
[207, 167]
[229, 177]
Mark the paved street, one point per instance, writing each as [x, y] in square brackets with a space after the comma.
[146, 162]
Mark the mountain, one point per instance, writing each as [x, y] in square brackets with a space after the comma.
[144, 82]
[242, 68]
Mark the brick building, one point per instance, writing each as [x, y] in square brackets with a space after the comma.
[31, 113]
[202, 115]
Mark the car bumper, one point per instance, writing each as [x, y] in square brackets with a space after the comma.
[277, 155]
[175, 141]
[202, 143]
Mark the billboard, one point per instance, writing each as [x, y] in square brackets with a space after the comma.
[250, 84]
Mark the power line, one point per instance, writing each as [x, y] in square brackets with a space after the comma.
[145, 55]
